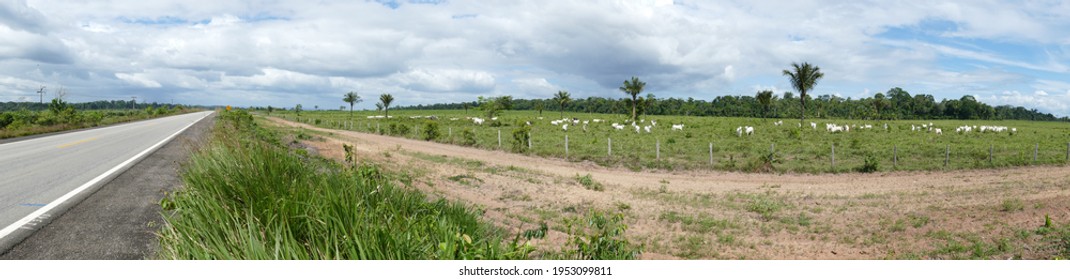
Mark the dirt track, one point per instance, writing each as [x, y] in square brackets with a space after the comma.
[709, 214]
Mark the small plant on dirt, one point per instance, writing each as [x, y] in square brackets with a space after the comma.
[1012, 205]
[537, 233]
[599, 236]
[301, 135]
[430, 131]
[589, 183]
[870, 164]
[469, 137]
[521, 136]
[349, 152]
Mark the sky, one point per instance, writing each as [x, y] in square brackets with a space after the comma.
[283, 53]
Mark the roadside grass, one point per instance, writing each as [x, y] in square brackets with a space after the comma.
[246, 197]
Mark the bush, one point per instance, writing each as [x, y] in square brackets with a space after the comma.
[469, 137]
[521, 136]
[430, 131]
[870, 164]
[589, 183]
[6, 118]
[598, 237]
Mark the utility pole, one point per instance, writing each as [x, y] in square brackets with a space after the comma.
[133, 102]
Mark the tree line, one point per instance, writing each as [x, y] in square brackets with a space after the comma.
[896, 104]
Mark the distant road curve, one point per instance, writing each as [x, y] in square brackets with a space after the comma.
[42, 177]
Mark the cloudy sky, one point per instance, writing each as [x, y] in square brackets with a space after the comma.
[283, 53]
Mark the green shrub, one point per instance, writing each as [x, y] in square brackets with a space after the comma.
[589, 183]
[521, 136]
[469, 137]
[599, 236]
[430, 131]
[870, 164]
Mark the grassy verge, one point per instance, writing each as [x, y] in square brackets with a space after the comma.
[248, 197]
[26, 123]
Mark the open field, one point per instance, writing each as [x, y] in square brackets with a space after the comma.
[703, 214]
[784, 148]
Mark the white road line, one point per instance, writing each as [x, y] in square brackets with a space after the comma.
[29, 218]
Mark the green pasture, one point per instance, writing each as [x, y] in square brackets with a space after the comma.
[784, 148]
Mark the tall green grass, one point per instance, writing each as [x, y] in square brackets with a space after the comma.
[246, 197]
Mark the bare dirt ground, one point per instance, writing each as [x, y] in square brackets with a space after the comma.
[988, 214]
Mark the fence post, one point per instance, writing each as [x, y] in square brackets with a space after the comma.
[1035, 149]
[451, 132]
[895, 156]
[1068, 152]
[990, 154]
[772, 151]
[833, 156]
[499, 138]
[566, 146]
[947, 155]
[657, 148]
[377, 128]
[711, 153]
[529, 140]
[609, 146]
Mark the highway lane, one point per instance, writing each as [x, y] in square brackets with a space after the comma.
[41, 176]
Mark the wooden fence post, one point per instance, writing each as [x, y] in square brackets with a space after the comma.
[990, 146]
[609, 146]
[947, 155]
[1035, 149]
[657, 148]
[711, 153]
[566, 146]
[895, 156]
[499, 138]
[529, 140]
[833, 156]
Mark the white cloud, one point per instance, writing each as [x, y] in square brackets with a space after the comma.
[138, 79]
[446, 80]
[1043, 102]
[295, 51]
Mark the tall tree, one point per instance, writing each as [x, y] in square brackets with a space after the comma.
[562, 98]
[538, 107]
[803, 78]
[386, 99]
[765, 98]
[297, 109]
[633, 88]
[351, 98]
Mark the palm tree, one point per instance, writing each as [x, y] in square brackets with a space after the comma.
[803, 79]
[386, 99]
[765, 98]
[633, 87]
[351, 98]
[539, 107]
[562, 98]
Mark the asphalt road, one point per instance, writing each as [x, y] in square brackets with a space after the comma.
[41, 177]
